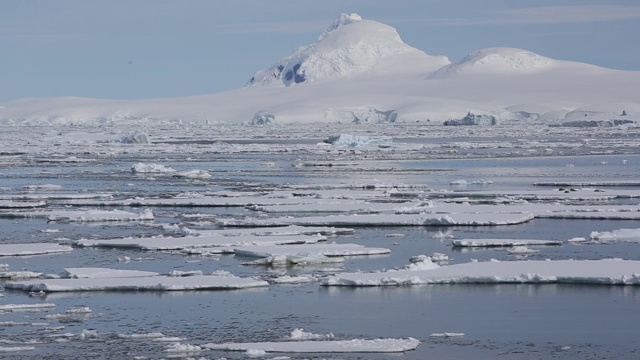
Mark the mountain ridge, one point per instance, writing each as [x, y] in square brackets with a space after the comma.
[361, 70]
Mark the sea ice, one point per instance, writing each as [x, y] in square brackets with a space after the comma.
[620, 235]
[471, 219]
[94, 273]
[150, 283]
[32, 249]
[309, 250]
[326, 346]
[213, 243]
[501, 242]
[601, 272]
[142, 168]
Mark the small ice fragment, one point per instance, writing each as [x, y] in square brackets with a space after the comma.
[447, 335]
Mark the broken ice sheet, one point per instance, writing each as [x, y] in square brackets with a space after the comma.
[596, 272]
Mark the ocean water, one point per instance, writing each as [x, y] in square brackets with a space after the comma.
[509, 321]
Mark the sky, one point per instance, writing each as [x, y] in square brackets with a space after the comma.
[136, 49]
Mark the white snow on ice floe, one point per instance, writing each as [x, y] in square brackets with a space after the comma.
[142, 168]
[470, 219]
[446, 335]
[212, 243]
[93, 273]
[309, 250]
[620, 235]
[521, 250]
[300, 334]
[20, 307]
[501, 242]
[601, 272]
[326, 346]
[99, 215]
[15, 275]
[32, 249]
[150, 283]
[10, 204]
[16, 348]
[91, 215]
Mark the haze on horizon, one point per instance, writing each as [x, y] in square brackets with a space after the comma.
[149, 49]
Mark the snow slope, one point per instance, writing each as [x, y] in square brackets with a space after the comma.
[361, 71]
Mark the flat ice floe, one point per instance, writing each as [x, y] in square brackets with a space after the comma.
[10, 204]
[32, 249]
[471, 219]
[93, 273]
[620, 235]
[501, 242]
[306, 254]
[92, 215]
[149, 283]
[601, 272]
[327, 346]
[311, 249]
[213, 244]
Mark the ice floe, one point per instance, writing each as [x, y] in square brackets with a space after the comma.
[501, 242]
[212, 243]
[32, 249]
[142, 168]
[10, 204]
[92, 215]
[326, 346]
[309, 250]
[150, 283]
[620, 235]
[471, 219]
[602, 272]
[93, 273]
[21, 307]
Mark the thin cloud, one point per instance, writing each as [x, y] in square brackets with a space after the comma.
[567, 14]
[282, 27]
[535, 15]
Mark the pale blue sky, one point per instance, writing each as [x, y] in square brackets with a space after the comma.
[159, 48]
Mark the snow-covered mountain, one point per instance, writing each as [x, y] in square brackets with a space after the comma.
[350, 47]
[361, 71]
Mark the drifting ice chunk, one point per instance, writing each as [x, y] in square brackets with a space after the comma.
[597, 272]
[151, 283]
[19, 307]
[620, 235]
[15, 275]
[136, 137]
[10, 204]
[446, 335]
[32, 249]
[502, 242]
[300, 334]
[309, 250]
[213, 243]
[99, 215]
[194, 174]
[522, 250]
[151, 168]
[471, 219]
[330, 346]
[94, 273]
[356, 140]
